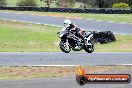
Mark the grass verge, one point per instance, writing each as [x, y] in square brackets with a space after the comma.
[123, 44]
[39, 3]
[13, 3]
[107, 17]
[18, 36]
[28, 37]
[48, 72]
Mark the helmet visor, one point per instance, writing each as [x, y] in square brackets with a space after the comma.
[65, 25]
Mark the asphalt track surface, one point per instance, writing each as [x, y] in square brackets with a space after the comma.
[88, 24]
[69, 82]
[60, 58]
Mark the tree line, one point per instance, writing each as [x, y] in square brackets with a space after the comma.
[71, 3]
[103, 3]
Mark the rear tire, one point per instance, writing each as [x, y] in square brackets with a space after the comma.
[65, 48]
[87, 49]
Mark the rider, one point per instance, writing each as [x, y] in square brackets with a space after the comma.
[70, 26]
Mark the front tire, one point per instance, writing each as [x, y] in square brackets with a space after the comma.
[64, 46]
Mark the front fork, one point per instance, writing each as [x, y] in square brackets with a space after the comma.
[88, 40]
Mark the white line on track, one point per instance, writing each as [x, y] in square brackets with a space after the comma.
[55, 65]
[114, 65]
[125, 64]
[73, 65]
[79, 65]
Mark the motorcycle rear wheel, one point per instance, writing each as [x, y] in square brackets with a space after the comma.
[88, 50]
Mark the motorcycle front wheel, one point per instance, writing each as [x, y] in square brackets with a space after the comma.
[64, 46]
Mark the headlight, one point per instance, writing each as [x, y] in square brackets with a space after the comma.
[61, 35]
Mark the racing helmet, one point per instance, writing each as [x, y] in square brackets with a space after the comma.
[67, 23]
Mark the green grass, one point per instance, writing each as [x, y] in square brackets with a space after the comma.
[13, 3]
[27, 37]
[123, 44]
[107, 17]
[39, 3]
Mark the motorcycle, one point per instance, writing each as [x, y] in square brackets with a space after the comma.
[69, 41]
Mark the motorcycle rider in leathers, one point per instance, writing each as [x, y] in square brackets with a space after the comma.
[70, 26]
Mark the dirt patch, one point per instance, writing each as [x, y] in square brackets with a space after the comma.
[43, 72]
